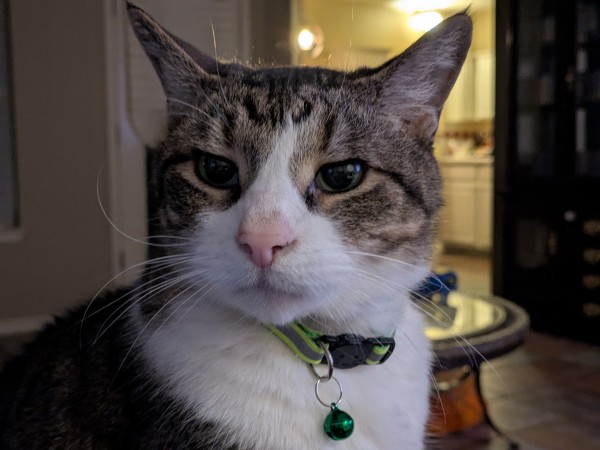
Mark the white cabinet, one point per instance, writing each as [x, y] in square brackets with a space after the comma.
[459, 106]
[473, 96]
[466, 219]
[484, 70]
[484, 201]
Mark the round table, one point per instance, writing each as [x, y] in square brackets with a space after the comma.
[466, 330]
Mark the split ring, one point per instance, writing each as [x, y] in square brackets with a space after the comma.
[329, 360]
[329, 405]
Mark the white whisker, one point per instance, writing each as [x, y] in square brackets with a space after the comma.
[160, 260]
[159, 267]
[460, 340]
[212, 27]
[114, 225]
[161, 287]
[162, 308]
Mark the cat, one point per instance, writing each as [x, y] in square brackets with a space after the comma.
[283, 198]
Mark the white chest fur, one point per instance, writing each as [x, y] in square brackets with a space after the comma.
[236, 374]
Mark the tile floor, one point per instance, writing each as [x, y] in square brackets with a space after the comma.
[545, 395]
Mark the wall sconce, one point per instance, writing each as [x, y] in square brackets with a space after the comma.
[310, 40]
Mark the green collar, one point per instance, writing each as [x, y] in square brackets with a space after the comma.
[347, 350]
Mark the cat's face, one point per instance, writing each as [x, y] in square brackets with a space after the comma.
[299, 192]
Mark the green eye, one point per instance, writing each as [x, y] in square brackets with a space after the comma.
[216, 171]
[340, 177]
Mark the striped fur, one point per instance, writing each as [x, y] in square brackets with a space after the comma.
[194, 366]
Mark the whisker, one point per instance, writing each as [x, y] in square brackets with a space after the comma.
[472, 351]
[434, 382]
[167, 303]
[149, 293]
[387, 258]
[115, 227]
[212, 27]
[215, 283]
[183, 303]
[192, 107]
[135, 266]
[162, 266]
[398, 261]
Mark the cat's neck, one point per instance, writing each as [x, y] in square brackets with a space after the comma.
[370, 322]
[212, 353]
[379, 318]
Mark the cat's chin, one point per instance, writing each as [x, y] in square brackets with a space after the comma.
[274, 306]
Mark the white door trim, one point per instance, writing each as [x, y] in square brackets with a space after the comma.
[126, 154]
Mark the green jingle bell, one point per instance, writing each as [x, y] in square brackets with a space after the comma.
[338, 424]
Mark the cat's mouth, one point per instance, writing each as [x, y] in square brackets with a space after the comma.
[275, 304]
[267, 288]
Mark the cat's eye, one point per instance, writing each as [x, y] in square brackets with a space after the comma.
[340, 177]
[216, 171]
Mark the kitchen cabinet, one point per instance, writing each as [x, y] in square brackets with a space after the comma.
[483, 85]
[459, 106]
[472, 97]
[466, 219]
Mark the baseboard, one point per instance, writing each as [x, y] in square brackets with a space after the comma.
[22, 325]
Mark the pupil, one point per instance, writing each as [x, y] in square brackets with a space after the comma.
[342, 176]
[218, 171]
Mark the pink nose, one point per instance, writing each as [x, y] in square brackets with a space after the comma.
[261, 247]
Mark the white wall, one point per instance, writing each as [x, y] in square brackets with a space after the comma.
[75, 114]
[59, 86]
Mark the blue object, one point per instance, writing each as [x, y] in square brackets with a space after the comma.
[432, 299]
[437, 286]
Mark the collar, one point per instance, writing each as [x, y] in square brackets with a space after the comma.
[347, 350]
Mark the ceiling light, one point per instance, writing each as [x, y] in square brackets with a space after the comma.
[411, 6]
[424, 21]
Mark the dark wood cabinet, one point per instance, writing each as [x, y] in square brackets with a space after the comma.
[547, 177]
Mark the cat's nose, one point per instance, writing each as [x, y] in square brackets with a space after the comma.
[262, 246]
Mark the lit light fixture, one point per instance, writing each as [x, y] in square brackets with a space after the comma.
[306, 40]
[424, 21]
[411, 6]
[310, 40]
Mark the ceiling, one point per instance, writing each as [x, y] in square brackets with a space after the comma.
[475, 5]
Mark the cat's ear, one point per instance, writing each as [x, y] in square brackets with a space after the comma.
[181, 67]
[417, 83]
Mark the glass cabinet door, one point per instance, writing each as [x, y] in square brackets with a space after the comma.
[536, 47]
[587, 89]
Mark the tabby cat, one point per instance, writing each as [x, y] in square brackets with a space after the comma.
[291, 207]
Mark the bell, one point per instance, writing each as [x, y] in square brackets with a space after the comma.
[338, 424]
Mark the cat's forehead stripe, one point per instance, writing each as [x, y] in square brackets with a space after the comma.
[271, 105]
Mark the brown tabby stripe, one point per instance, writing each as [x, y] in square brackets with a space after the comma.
[413, 192]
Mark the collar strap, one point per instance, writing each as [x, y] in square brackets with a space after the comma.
[347, 350]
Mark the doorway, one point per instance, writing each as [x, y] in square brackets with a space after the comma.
[347, 35]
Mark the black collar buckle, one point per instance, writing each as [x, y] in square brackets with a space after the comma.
[351, 350]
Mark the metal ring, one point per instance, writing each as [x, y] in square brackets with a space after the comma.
[329, 405]
[329, 360]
